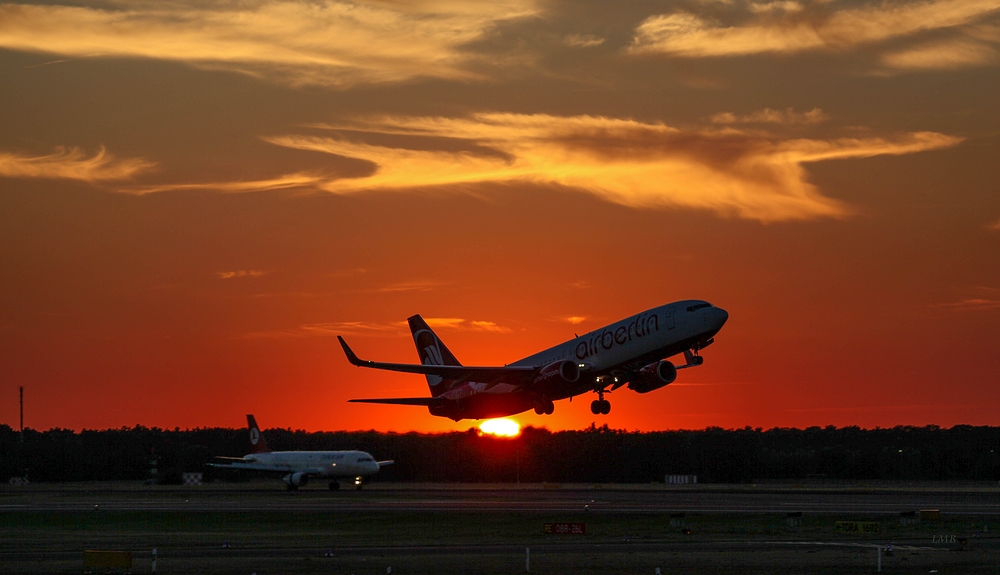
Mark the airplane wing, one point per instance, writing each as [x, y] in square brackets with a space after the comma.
[382, 464]
[425, 401]
[240, 464]
[513, 374]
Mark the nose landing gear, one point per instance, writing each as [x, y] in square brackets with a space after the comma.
[600, 406]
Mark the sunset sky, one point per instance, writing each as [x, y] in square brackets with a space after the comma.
[196, 198]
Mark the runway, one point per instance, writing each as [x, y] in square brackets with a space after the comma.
[563, 499]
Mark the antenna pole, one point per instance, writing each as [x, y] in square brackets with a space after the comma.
[21, 389]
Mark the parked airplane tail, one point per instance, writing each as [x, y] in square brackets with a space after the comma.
[257, 443]
[432, 351]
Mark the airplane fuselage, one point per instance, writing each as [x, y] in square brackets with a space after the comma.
[608, 356]
[327, 464]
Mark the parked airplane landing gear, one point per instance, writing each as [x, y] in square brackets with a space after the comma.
[600, 406]
[334, 485]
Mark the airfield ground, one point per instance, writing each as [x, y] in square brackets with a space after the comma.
[258, 527]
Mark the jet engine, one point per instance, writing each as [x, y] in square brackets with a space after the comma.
[653, 376]
[296, 479]
[559, 371]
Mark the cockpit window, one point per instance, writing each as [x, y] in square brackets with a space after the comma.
[698, 306]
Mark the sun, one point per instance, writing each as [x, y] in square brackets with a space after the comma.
[500, 427]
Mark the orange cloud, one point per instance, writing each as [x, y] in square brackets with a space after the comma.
[240, 274]
[285, 182]
[459, 323]
[362, 328]
[325, 42]
[489, 326]
[789, 27]
[72, 164]
[981, 298]
[769, 116]
[332, 329]
[419, 285]
[582, 41]
[644, 165]
[973, 304]
[943, 55]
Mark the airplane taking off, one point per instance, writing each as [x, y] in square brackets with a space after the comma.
[632, 352]
[299, 466]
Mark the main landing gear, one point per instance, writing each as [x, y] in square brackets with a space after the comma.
[600, 406]
[545, 408]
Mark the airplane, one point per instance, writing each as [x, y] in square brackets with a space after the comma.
[632, 352]
[299, 466]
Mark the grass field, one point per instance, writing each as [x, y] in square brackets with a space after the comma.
[461, 542]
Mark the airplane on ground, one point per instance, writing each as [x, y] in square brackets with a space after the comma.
[632, 352]
[299, 466]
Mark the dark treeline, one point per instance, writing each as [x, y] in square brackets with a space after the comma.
[594, 455]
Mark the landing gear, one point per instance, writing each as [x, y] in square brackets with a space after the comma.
[334, 485]
[291, 487]
[691, 357]
[546, 408]
[600, 406]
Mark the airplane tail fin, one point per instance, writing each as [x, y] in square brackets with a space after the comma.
[432, 351]
[257, 443]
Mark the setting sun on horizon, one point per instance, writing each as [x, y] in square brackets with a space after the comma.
[502, 427]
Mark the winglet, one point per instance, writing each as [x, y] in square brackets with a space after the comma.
[351, 357]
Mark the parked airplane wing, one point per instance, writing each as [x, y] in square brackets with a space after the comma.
[263, 467]
[512, 374]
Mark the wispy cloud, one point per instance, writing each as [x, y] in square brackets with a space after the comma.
[979, 298]
[791, 27]
[582, 41]
[943, 55]
[416, 285]
[711, 384]
[488, 326]
[972, 304]
[769, 116]
[575, 319]
[464, 324]
[646, 165]
[73, 164]
[285, 182]
[445, 322]
[322, 42]
[363, 328]
[333, 329]
[995, 226]
[241, 274]
[350, 328]
[883, 407]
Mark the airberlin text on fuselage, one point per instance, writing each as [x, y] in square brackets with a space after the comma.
[641, 326]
